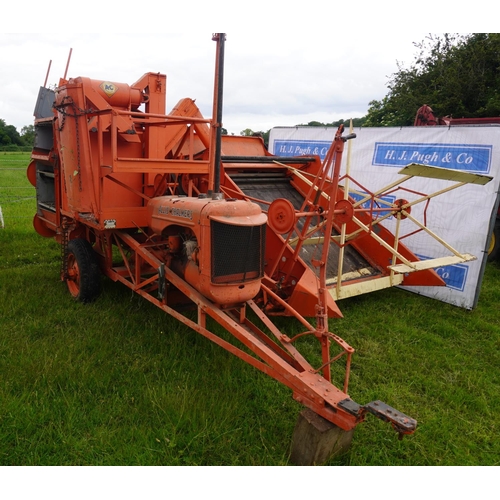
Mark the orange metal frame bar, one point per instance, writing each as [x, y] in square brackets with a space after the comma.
[144, 165]
[282, 362]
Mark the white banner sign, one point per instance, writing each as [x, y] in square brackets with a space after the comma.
[461, 217]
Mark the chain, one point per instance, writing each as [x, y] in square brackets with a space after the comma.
[77, 112]
[64, 248]
[78, 154]
[67, 226]
[68, 101]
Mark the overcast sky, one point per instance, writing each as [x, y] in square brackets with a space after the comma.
[272, 79]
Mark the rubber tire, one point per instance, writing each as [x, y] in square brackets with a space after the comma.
[494, 253]
[84, 276]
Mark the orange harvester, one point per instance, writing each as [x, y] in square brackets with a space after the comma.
[186, 216]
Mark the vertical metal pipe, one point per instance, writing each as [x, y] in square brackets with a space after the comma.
[218, 94]
[67, 64]
[47, 75]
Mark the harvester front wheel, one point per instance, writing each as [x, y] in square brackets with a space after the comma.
[83, 276]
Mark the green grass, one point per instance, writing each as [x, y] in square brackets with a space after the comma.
[118, 382]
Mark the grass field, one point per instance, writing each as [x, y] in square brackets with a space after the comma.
[117, 382]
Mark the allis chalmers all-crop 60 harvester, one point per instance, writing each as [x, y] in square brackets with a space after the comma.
[183, 215]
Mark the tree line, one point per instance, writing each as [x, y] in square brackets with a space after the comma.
[455, 74]
[12, 140]
[356, 122]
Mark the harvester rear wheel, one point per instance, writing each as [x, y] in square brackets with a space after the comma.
[83, 275]
[494, 249]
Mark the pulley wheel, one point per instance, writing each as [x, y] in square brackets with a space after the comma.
[281, 216]
[401, 203]
[160, 185]
[31, 173]
[344, 211]
[184, 183]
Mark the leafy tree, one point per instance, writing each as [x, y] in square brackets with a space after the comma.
[9, 135]
[356, 122]
[28, 135]
[4, 139]
[456, 75]
[248, 132]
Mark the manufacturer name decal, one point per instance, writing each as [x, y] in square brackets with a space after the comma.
[108, 88]
[176, 212]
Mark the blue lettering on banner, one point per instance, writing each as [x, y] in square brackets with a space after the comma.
[469, 158]
[359, 196]
[454, 275]
[301, 148]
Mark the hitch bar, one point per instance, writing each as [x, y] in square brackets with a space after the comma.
[401, 423]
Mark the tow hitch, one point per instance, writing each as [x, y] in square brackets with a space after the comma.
[401, 423]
